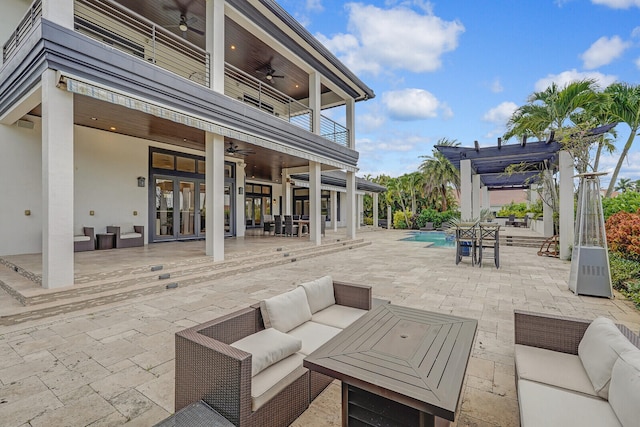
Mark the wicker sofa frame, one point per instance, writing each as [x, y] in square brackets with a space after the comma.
[557, 333]
[209, 369]
[86, 245]
[127, 243]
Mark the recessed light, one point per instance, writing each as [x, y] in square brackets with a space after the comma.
[112, 128]
[233, 47]
[297, 86]
[184, 139]
[94, 118]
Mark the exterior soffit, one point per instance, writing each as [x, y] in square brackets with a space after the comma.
[87, 88]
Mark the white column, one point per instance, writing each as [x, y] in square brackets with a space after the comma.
[533, 194]
[465, 190]
[240, 223]
[389, 217]
[476, 196]
[547, 210]
[360, 215]
[486, 202]
[315, 101]
[334, 210]
[315, 232]
[375, 210]
[566, 204]
[214, 177]
[59, 12]
[215, 43]
[351, 122]
[57, 184]
[351, 205]
[285, 209]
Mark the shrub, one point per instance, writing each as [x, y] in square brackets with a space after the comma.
[623, 234]
[433, 216]
[399, 220]
[625, 276]
[368, 220]
[517, 209]
[629, 201]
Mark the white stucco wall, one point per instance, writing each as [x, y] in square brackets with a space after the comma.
[12, 13]
[20, 189]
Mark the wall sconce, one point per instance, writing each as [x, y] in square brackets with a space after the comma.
[240, 190]
[275, 202]
[27, 212]
[141, 181]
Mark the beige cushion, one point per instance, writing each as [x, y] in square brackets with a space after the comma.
[286, 311]
[126, 227]
[82, 238]
[338, 316]
[267, 347]
[313, 335]
[544, 405]
[624, 390]
[319, 293]
[552, 367]
[599, 349]
[130, 235]
[275, 378]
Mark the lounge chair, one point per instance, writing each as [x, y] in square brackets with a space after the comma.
[428, 226]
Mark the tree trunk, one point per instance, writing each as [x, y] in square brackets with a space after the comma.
[596, 161]
[623, 155]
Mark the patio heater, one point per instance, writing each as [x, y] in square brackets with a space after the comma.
[590, 259]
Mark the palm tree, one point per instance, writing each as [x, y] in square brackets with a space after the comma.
[624, 107]
[415, 184]
[553, 108]
[439, 174]
[624, 185]
[397, 193]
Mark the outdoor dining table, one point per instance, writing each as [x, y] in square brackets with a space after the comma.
[300, 223]
[398, 365]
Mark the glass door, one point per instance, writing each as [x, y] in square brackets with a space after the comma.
[164, 207]
[202, 227]
[187, 208]
[228, 209]
[253, 211]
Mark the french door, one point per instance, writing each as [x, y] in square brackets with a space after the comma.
[179, 208]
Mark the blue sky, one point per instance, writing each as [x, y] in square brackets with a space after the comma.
[458, 68]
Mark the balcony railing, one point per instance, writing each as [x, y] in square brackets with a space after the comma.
[24, 27]
[123, 29]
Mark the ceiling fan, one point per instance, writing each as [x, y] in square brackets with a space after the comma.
[234, 149]
[268, 71]
[184, 24]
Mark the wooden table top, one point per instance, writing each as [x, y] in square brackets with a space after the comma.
[415, 357]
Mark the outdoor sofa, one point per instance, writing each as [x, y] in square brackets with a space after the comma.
[247, 365]
[572, 372]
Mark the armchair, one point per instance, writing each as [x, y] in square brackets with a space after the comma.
[84, 241]
[127, 236]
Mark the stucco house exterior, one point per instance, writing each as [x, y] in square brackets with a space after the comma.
[186, 117]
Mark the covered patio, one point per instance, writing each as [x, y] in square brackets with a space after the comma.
[118, 359]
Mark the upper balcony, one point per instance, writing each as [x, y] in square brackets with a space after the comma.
[172, 37]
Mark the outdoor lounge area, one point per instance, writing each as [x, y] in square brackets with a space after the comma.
[119, 359]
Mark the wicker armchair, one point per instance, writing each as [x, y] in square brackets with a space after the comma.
[209, 369]
[126, 238]
[85, 241]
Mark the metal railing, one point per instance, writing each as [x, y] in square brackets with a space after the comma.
[125, 30]
[334, 131]
[24, 28]
[261, 95]
[129, 32]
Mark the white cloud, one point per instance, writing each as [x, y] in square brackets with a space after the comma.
[500, 114]
[566, 77]
[315, 5]
[618, 4]
[413, 104]
[394, 38]
[496, 86]
[637, 62]
[635, 33]
[369, 122]
[603, 51]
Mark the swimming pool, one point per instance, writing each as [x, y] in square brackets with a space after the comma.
[437, 238]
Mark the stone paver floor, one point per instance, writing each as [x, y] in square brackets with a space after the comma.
[114, 364]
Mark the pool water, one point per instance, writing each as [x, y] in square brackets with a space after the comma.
[438, 238]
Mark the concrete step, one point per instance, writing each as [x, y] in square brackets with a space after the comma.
[88, 295]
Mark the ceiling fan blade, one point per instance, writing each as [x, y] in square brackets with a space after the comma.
[195, 30]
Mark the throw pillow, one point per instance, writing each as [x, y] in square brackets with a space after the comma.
[286, 311]
[319, 293]
[267, 347]
[625, 388]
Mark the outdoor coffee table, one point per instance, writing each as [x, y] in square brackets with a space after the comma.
[398, 366]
